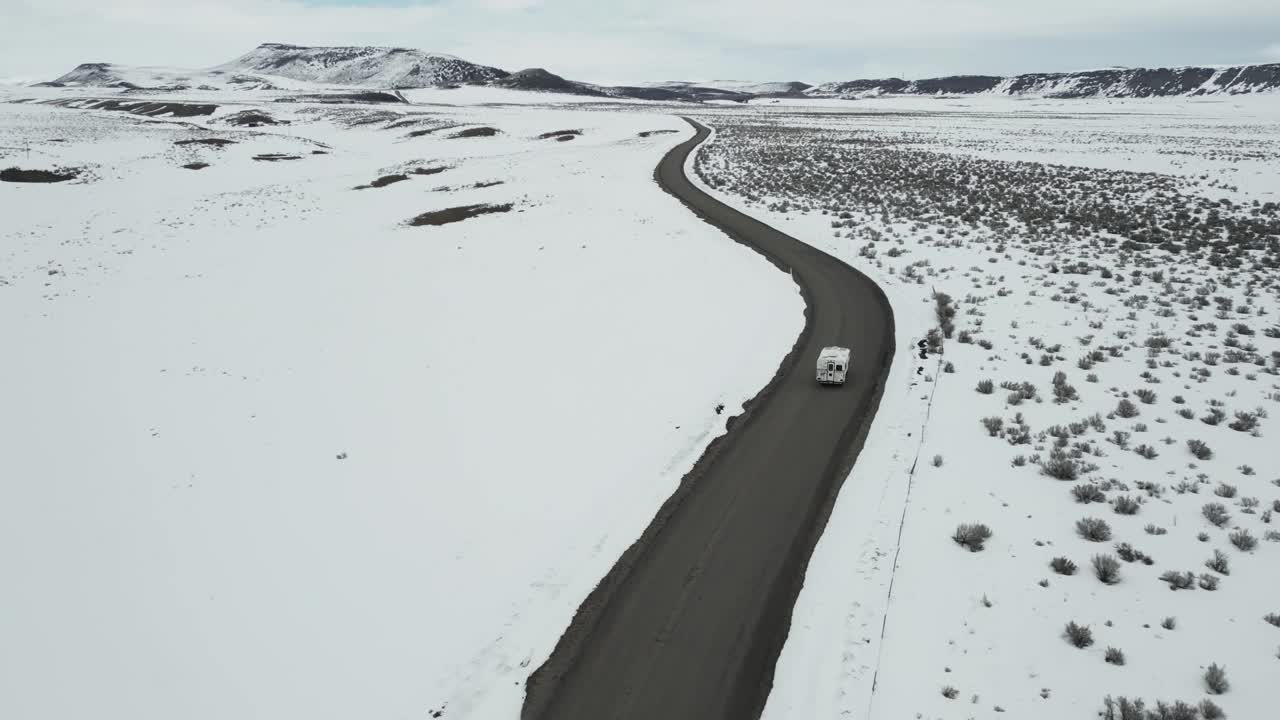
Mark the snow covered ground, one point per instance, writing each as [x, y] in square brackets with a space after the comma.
[1041, 282]
[272, 452]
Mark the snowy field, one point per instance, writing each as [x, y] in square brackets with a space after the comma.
[1109, 273]
[274, 451]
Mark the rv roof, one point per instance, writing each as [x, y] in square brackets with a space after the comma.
[834, 352]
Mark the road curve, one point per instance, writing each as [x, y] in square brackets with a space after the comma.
[689, 623]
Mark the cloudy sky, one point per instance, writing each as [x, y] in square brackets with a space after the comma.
[629, 41]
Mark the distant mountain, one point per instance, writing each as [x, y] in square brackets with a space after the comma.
[1110, 82]
[380, 67]
[741, 88]
[540, 80]
[688, 91]
[270, 66]
[274, 66]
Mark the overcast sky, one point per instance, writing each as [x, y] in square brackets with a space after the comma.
[628, 41]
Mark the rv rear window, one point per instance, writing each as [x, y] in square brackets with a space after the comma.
[839, 368]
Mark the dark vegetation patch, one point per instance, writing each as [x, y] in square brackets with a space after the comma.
[383, 181]
[18, 175]
[196, 165]
[275, 157]
[484, 131]
[457, 214]
[216, 142]
[487, 184]
[429, 170]
[650, 133]
[319, 152]
[560, 135]
[901, 176]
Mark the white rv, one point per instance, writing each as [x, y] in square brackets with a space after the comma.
[833, 365]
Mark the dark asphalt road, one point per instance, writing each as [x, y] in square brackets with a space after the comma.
[689, 623]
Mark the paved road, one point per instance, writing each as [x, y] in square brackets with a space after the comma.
[689, 623]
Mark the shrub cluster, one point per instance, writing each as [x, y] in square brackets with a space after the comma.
[1179, 581]
[1063, 392]
[1123, 708]
[1107, 568]
[1126, 409]
[1219, 563]
[1199, 449]
[1093, 529]
[1216, 513]
[972, 535]
[1079, 635]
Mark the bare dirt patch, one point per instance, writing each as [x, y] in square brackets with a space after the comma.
[457, 214]
[429, 170]
[560, 135]
[196, 165]
[18, 175]
[275, 157]
[215, 142]
[252, 118]
[150, 109]
[650, 133]
[420, 119]
[383, 181]
[484, 131]
[430, 130]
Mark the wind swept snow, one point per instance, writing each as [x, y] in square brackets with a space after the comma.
[271, 451]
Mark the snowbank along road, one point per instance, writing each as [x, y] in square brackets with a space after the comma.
[690, 621]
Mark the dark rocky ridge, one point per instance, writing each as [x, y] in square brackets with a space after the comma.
[539, 80]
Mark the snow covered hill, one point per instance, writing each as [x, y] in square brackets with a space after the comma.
[363, 66]
[1109, 82]
[272, 66]
[126, 77]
